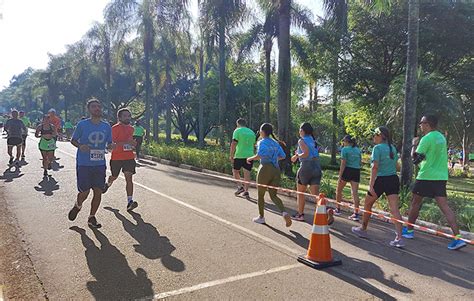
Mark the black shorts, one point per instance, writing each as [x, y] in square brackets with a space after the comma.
[351, 175]
[239, 163]
[429, 188]
[14, 141]
[389, 185]
[122, 165]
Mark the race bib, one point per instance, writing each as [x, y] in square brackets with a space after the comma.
[52, 145]
[127, 148]
[97, 155]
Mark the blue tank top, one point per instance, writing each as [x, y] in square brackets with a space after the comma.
[311, 144]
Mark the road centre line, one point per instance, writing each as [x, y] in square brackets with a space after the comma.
[224, 281]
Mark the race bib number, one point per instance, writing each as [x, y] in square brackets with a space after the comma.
[97, 155]
[127, 148]
[52, 145]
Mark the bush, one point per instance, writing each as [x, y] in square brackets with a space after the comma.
[459, 173]
[328, 189]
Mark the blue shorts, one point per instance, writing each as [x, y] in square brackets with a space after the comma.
[90, 177]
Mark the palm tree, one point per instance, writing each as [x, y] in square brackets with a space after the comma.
[218, 18]
[263, 34]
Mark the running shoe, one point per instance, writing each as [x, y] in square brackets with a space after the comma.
[355, 217]
[330, 216]
[10, 162]
[410, 234]
[17, 163]
[45, 173]
[398, 243]
[287, 219]
[92, 222]
[337, 212]
[259, 220]
[239, 190]
[73, 213]
[23, 158]
[298, 217]
[360, 232]
[132, 205]
[456, 243]
[246, 195]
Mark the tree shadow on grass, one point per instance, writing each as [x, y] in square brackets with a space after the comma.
[114, 278]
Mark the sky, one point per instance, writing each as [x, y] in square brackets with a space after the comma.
[30, 29]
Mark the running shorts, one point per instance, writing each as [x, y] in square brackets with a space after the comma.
[239, 163]
[351, 175]
[389, 185]
[430, 188]
[90, 177]
[122, 165]
[14, 141]
[309, 173]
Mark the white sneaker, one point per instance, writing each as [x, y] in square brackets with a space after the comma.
[259, 220]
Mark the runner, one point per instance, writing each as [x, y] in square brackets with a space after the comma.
[46, 131]
[69, 129]
[27, 123]
[309, 173]
[15, 129]
[432, 177]
[54, 119]
[138, 134]
[269, 152]
[383, 179]
[349, 171]
[123, 158]
[242, 147]
[91, 138]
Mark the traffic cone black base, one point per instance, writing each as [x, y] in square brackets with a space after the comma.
[318, 265]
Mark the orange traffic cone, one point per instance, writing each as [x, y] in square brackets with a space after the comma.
[319, 251]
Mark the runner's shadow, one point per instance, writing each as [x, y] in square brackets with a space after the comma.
[11, 173]
[144, 162]
[354, 271]
[47, 185]
[150, 243]
[424, 256]
[114, 278]
[55, 166]
[297, 238]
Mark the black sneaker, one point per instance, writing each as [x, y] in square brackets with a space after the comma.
[23, 158]
[73, 213]
[132, 205]
[239, 191]
[106, 188]
[10, 162]
[246, 195]
[92, 222]
[45, 173]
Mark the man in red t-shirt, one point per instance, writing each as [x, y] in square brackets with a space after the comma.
[123, 158]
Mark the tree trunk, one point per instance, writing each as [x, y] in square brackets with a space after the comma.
[284, 76]
[168, 104]
[201, 98]
[268, 73]
[108, 77]
[465, 148]
[222, 95]
[147, 44]
[156, 120]
[409, 107]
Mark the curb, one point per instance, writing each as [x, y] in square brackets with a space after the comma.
[465, 234]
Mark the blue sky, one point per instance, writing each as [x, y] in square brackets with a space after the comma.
[30, 29]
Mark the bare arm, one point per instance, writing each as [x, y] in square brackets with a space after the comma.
[342, 167]
[37, 133]
[233, 146]
[373, 176]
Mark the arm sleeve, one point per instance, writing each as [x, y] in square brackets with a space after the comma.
[423, 146]
[344, 154]
[281, 153]
[235, 136]
[375, 154]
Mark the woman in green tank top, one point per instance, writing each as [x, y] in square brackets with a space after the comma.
[46, 131]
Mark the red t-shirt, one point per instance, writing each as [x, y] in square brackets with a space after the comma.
[55, 121]
[122, 133]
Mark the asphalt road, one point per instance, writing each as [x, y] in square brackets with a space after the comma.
[192, 239]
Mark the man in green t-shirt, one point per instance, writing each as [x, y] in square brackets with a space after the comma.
[27, 123]
[432, 154]
[69, 127]
[138, 133]
[242, 148]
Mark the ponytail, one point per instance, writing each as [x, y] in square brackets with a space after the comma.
[282, 143]
[315, 142]
[386, 135]
[389, 141]
[354, 142]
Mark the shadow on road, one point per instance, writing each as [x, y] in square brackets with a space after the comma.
[425, 255]
[114, 278]
[47, 185]
[11, 173]
[150, 243]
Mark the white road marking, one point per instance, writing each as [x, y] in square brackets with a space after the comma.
[224, 281]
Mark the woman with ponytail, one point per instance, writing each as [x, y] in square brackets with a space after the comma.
[269, 152]
[349, 171]
[309, 173]
[383, 179]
